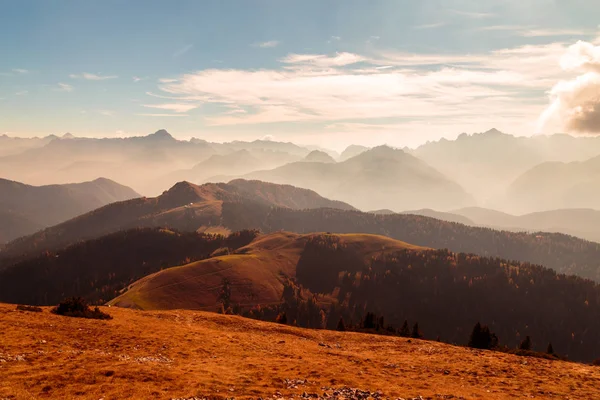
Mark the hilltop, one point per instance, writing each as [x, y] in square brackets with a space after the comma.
[316, 279]
[258, 270]
[180, 354]
[185, 207]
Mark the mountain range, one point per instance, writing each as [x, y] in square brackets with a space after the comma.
[516, 175]
[487, 164]
[239, 205]
[25, 209]
[381, 177]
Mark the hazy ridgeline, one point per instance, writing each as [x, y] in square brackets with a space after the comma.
[539, 183]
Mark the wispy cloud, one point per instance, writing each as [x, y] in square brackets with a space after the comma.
[322, 60]
[183, 50]
[430, 26]
[267, 44]
[163, 115]
[92, 77]
[472, 14]
[175, 107]
[22, 93]
[532, 31]
[14, 72]
[463, 89]
[552, 32]
[65, 87]
[108, 113]
[137, 79]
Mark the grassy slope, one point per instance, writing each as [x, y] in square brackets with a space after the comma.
[176, 354]
[257, 272]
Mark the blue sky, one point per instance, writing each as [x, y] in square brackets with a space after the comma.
[322, 72]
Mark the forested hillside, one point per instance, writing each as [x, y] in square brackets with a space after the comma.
[98, 269]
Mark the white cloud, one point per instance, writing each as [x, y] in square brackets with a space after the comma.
[321, 60]
[267, 44]
[576, 102]
[183, 50]
[92, 77]
[163, 115]
[20, 71]
[22, 92]
[136, 79]
[268, 138]
[65, 87]
[463, 90]
[108, 113]
[175, 107]
[582, 56]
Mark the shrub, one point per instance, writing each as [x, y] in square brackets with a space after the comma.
[281, 318]
[78, 308]
[596, 362]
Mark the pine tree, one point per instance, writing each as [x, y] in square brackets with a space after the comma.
[482, 338]
[550, 350]
[526, 343]
[405, 331]
[416, 333]
[341, 326]
[369, 321]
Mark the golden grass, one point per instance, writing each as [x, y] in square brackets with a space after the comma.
[256, 274]
[172, 354]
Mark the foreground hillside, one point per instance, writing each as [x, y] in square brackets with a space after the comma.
[180, 354]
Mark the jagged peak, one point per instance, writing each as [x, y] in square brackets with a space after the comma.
[67, 136]
[161, 134]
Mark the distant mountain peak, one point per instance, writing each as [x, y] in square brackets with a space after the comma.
[319, 156]
[67, 136]
[385, 150]
[197, 141]
[161, 134]
[492, 132]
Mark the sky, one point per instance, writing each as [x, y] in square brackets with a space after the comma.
[329, 73]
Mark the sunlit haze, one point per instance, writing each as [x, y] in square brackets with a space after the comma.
[311, 72]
